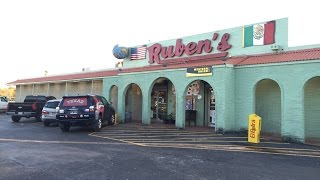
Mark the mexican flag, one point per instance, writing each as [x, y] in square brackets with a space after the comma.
[259, 34]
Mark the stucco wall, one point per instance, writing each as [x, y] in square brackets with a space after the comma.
[97, 87]
[312, 108]
[57, 89]
[291, 78]
[219, 82]
[40, 89]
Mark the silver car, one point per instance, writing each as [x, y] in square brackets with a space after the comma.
[49, 112]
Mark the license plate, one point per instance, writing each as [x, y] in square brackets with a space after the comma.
[73, 112]
[20, 113]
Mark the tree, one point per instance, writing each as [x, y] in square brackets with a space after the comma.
[9, 92]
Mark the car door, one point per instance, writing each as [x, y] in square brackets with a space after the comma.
[107, 108]
[100, 106]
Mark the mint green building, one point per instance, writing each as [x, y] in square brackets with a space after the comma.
[215, 79]
[278, 83]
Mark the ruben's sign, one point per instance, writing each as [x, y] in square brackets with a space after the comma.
[162, 54]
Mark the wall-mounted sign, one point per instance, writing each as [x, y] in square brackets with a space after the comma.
[199, 71]
[171, 54]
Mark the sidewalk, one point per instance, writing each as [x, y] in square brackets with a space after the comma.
[162, 135]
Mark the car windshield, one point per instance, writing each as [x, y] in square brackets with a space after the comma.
[52, 104]
[35, 99]
[3, 99]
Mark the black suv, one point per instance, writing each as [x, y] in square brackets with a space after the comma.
[87, 110]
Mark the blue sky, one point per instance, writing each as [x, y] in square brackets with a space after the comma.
[64, 36]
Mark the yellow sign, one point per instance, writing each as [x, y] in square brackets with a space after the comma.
[254, 128]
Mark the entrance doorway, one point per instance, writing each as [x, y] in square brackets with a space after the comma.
[163, 101]
[200, 107]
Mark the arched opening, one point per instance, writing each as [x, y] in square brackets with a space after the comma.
[312, 110]
[200, 107]
[268, 107]
[113, 97]
[163, 101]
[133, 104]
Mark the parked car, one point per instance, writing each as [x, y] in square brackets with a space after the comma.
[30, 107]
[3, 104]
[49, 112]
[88, 110]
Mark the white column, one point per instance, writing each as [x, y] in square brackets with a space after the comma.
[32, 89]
[48, 89]
[66, 92]
[91, 86]
[20, 93]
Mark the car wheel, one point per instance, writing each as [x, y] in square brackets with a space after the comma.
[112, 119]
[15, 118]
[64, 128]
[46, 123]
[98, 125]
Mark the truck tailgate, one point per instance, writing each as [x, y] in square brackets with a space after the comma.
[20, 107]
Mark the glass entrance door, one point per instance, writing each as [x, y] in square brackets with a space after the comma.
[159, 104]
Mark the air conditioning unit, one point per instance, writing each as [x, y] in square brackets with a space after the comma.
[275, 47]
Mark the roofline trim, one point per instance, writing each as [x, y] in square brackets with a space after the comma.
[44, 82]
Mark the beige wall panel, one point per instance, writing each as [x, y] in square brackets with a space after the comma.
[40, 89]
[57, 90]
[79, 88]
[26, 90]
[97, 87]
[18, 95]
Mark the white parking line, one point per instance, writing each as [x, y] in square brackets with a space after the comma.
[56, 142]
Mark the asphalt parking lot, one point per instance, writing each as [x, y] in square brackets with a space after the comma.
[28, 150]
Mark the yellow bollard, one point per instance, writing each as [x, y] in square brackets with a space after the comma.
[254, 128]
[115, 119]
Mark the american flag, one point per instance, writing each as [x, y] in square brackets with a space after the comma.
[138, 52]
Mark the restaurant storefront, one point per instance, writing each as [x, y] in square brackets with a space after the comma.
[214, 80]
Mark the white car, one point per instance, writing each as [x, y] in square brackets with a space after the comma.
[3, 104]
[49, 112]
